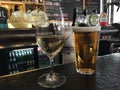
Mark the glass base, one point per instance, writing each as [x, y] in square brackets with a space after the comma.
[85, 71]
[48, 81]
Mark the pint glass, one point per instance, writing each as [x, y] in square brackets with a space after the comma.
[86, 42]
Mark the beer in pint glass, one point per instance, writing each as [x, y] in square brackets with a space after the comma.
[86, 42]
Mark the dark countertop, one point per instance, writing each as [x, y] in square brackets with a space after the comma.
[108, 72]
[107, 77]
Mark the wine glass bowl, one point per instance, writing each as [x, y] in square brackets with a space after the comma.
[51, 40]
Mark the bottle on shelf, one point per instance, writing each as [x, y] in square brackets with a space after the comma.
[11, 10]
[74, 17]
[16, 8]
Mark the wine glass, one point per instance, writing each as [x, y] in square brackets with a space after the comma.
[50, 39]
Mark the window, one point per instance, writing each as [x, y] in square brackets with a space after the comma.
[113, 11]
[116, 14]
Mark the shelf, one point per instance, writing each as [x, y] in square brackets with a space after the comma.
[24, 5]
[34, 3]
[20, 2]
[11, 2]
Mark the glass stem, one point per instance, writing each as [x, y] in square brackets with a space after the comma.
[51, 66]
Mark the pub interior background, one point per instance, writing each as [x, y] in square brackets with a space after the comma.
[18, 49]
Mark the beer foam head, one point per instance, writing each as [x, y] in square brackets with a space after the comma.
[86, 29]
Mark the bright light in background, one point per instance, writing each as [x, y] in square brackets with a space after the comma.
[116, 18]
[6, 6]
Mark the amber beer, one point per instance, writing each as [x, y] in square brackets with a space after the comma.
[86, 42]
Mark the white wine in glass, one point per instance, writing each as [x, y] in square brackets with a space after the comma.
[50, 38]
[51, 42]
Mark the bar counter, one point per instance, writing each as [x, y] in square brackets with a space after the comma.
[107, 77]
